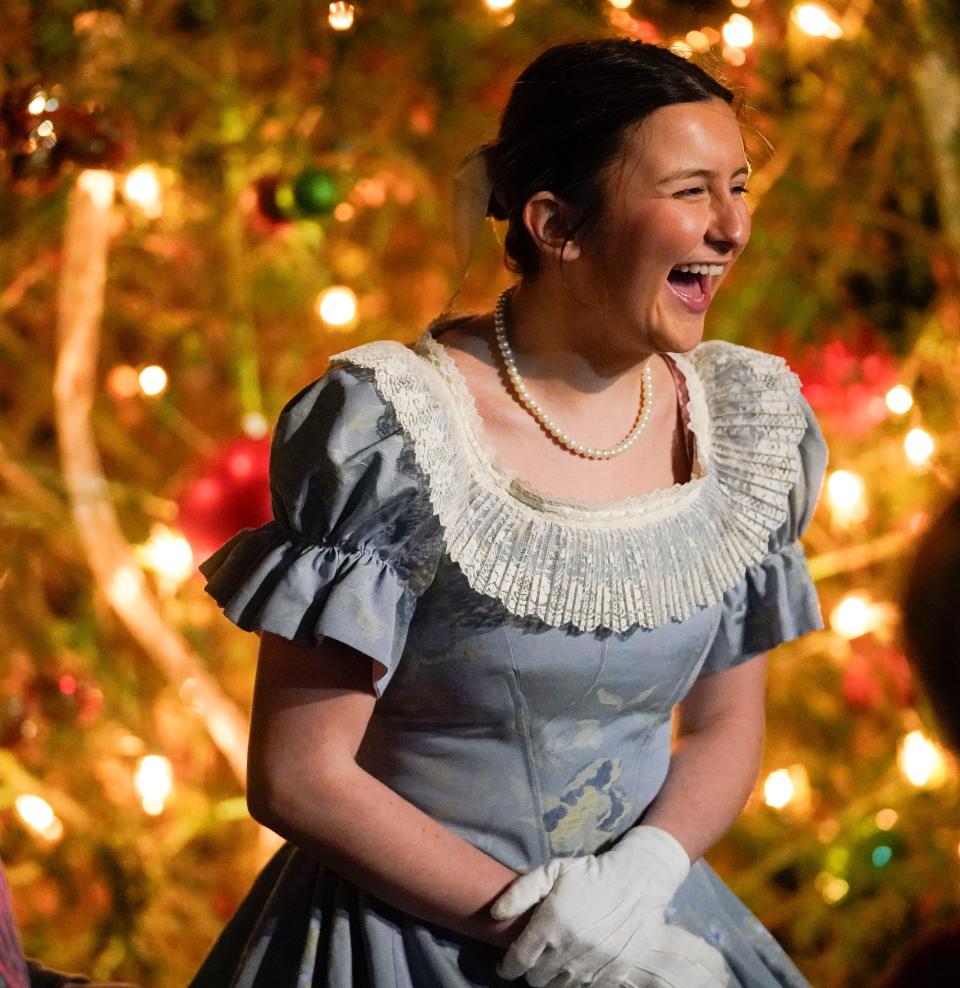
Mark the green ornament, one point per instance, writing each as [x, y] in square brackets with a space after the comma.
[315, 192]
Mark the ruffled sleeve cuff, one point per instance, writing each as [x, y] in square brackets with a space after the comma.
[774, 603]
[265, 580]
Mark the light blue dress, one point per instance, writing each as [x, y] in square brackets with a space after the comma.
[528, 650]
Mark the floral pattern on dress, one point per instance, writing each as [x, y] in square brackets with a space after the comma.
[591, 803]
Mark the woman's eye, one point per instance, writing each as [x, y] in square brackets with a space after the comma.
[740, 190]
[685, 193]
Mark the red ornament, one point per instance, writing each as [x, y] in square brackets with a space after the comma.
[846, 379]
[40, 134]
[876, 675]
[230, 492]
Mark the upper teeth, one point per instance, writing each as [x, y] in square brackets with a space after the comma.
[712, 269]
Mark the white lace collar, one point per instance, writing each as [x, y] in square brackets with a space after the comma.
[642, 561]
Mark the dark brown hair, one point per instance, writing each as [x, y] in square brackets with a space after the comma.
[931, 618]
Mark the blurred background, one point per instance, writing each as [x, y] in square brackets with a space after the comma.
[202, 200]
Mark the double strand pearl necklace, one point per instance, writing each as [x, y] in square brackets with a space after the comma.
[551, 427]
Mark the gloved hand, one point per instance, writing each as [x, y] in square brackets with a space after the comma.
[677, 959]
[600, 914]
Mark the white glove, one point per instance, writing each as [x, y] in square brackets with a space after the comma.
[600, 914]
[679, 959]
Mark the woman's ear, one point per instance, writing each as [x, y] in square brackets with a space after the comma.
[545, 217]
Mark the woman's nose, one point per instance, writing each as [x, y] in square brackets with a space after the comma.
[730, 226]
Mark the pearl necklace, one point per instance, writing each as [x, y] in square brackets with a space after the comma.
[533, 407]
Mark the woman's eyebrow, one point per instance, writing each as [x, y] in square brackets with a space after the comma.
[700, 173]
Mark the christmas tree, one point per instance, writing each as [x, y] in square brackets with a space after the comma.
[204, 200]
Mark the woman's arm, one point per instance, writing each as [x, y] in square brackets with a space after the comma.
[311, 707]
[716, 757]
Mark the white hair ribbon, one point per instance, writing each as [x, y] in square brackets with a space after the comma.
[471, 198]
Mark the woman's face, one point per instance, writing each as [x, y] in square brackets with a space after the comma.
[676, 201]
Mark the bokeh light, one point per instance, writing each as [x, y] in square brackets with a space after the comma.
[337, 307]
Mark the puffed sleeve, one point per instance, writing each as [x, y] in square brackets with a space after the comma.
[353, 543]
[775, 601]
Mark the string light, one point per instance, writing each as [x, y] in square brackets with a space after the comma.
[38, 104]
[920, 760]
[341, 16]
[499, 5]
[99, 185]
[38, 815]
[788, 787]
[854, 616]
[881, 855]
[832, 888]
[343, 212]
[886, 819]
[168, 554]
[123, 381]
[899, 400]
[919, 446]
[845, 496]
[812, 19]
[125, 586]
[620, 4]
[778, 789]
[734, 55]
[742, 4]
[697, 40]
[337, 307]
[738, 31]
[153, 380]
[254, 425]
[141, 187]
[154, 782]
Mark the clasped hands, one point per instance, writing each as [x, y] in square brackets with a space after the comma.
[600, 921]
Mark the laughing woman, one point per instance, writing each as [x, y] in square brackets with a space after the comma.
[500, 560]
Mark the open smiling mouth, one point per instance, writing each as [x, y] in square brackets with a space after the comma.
[693, 284]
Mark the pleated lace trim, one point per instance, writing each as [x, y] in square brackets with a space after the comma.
[643, 561]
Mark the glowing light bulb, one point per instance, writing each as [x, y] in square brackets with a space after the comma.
[899, 400]
[123, 381]
[733, 55]
[845, 495]
[697, 40]
[832, 888]
[153, 380]
[919, 446]
[742, 4]
[38, 104]
[99, 185]
[344, 211]
[620, 4]
[738, 31]
[341, 16]
[153, 780]
[38, 815]
[854, 616]
[812, 19]
[788, 787]
[337, 307]
[125, 586]
[499, 4]
[168, 554]
[778, 789]
[254, 425]
[886, 819]
[920, 760]
[142, 188]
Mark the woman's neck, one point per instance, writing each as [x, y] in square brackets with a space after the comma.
[567, 344]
